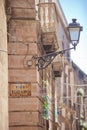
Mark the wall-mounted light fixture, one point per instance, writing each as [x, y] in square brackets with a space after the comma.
[74, 30]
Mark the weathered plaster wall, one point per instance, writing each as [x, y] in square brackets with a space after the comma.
[3, 70]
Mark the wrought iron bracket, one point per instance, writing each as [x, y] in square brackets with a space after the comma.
[45, 60]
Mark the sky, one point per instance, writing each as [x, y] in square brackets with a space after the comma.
[78, 9]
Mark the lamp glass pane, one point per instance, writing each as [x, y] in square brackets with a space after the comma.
[74, 34]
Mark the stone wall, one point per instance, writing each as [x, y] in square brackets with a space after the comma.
[24, 101]
[3, 70]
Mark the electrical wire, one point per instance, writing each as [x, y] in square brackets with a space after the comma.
[75, 85]
[16, 39]
[78, 85]
[62, 59]
[72, 97]
[1, 50]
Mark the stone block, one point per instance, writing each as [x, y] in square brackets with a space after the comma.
[23, 31]
[23, 13]
[24, 104]
[26, 128]
[31, 118]
[21, 48]
[21, 62]
[22, 3]
[27, 75]
[23, 118]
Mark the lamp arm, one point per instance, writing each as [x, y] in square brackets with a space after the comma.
[45, 60]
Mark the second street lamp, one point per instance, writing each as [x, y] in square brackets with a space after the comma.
[74, 29]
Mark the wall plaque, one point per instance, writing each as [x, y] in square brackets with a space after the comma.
[20, 90]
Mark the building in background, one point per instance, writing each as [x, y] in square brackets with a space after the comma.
[81, 92]
[41, 99]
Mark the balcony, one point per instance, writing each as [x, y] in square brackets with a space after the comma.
[57, 66]
[49, 26]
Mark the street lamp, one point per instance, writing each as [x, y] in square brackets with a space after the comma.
[74, 29]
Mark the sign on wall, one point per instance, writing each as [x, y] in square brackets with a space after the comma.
[19, 90]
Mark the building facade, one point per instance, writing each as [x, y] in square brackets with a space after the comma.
[39, 99]
[81, 94]
[36, 28]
